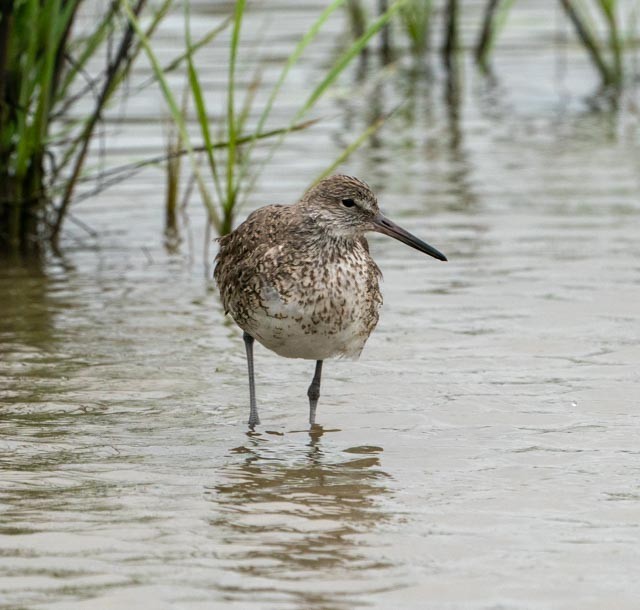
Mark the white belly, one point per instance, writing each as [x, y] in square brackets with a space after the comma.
[324, 324]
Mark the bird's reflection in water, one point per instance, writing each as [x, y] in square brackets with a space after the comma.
[297, 522]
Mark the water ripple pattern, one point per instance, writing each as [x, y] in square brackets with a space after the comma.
[483, 453]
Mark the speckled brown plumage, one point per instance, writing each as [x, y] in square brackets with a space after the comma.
[304, 269]
[300, 280]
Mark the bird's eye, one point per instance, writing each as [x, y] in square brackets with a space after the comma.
[348, 203]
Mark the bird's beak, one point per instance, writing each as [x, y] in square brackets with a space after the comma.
[381, 224]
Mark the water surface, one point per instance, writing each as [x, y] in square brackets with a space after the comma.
[483, 453]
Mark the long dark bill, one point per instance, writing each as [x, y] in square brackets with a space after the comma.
[381, 224]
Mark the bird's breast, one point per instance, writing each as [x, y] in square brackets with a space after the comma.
[319, 310]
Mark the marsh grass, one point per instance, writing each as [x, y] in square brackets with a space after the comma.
[416, 19]
[44, 79]
[597, 25]
[231, 166]
[31, 42]
[43, 76]
[493, 21]
[173, 179]
[606, 55]
[48, 59]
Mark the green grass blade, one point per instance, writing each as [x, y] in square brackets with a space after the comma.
[494, 21]
[338, 67]
[88, 50]
[305, 41]
[343, 61]
[416, 19]
[201, 110]
[229, 201]
[174, 64]
[89, 47]
[249, 99]
[116, 175]
[359, 141]
[53, 35]
[116, 82]
[294, 57]
[28, 66]
[174, 110]
[587, 33]
[501, 16]
[148, 33]
[608, 9]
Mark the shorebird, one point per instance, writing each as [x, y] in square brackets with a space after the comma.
[300, 280]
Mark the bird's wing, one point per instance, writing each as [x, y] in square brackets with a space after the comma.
[238, 262]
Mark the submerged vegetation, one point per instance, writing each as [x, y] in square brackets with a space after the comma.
[50, 54]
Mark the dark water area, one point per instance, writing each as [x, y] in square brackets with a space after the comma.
[482, 453]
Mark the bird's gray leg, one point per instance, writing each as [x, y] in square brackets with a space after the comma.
[314, 393]
[253, 408]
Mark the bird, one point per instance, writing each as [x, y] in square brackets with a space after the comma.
[300, 280]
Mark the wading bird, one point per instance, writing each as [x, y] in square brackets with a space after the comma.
[300, 280]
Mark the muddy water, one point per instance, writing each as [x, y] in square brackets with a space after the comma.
[483, 453]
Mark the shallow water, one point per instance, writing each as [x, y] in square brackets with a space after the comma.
[483, 453]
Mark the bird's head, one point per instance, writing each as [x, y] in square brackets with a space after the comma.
[343, 206]
[346, 207]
